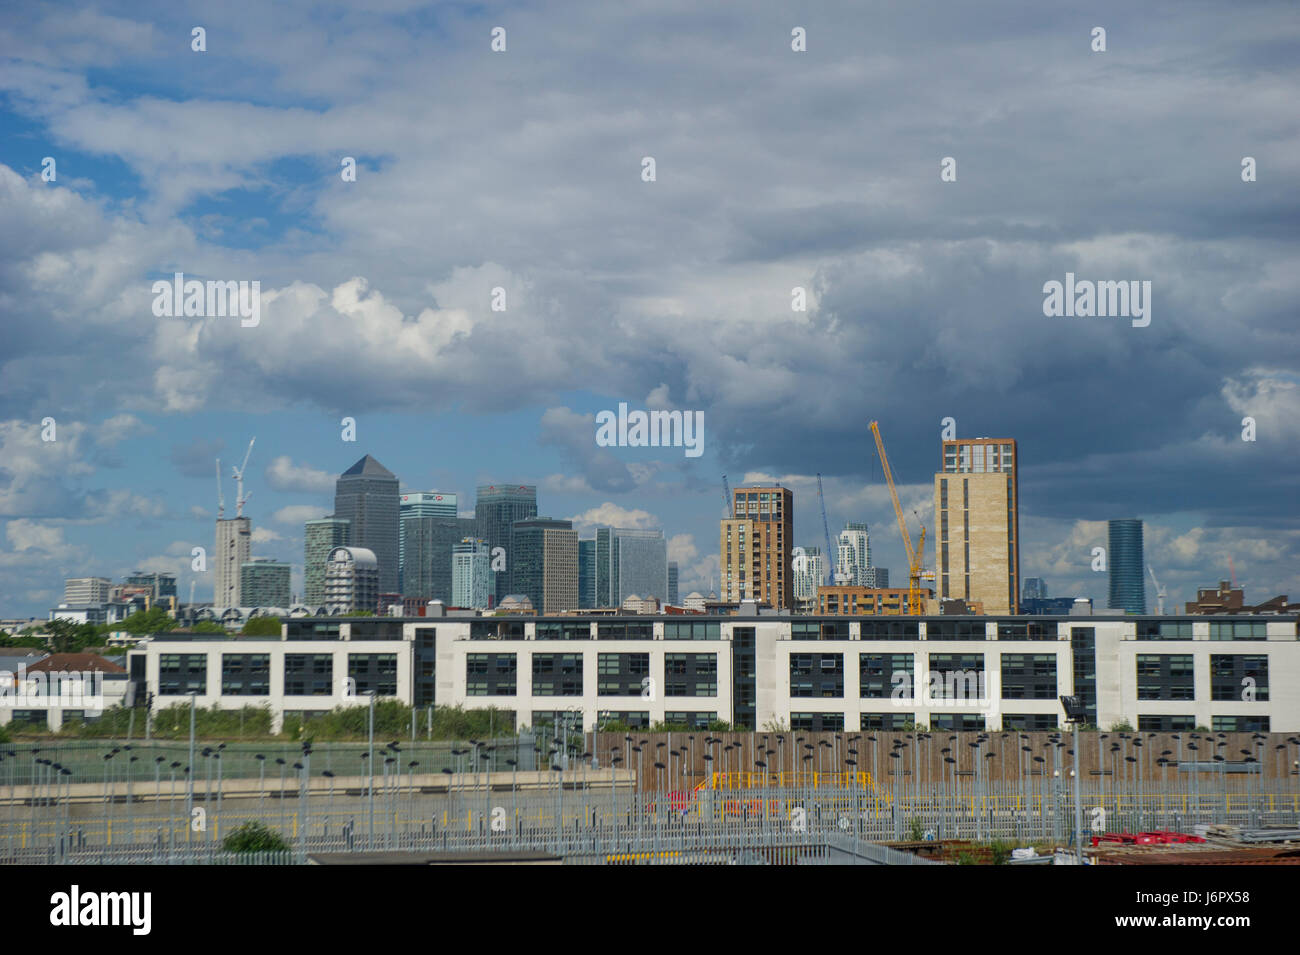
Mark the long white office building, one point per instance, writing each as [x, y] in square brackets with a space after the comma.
[1162, 674]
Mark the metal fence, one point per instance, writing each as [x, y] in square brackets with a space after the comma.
[577, 821]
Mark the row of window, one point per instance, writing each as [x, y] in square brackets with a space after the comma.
[1233, 676]
[618, 674]
[305, 674]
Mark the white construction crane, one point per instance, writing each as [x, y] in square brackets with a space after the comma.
[1160, 592]
[221, 498]
[240, 497]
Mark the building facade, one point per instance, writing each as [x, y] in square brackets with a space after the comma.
[264, 583]
[1126, 566]
[672, 583]
[413, 504]
[754, 547]
[234, 547]
[586, 573]
[85, 591]
[546, 563]
[640, 565]
[366, 495]
[1035, 589]
[846, 600]
[808, 573]
[471, 574]
[428, 543]
[496, 508]
[352, 580]
[1158, 674]
[854, 555]
[161, 585]
[976, 504]
[320, 537]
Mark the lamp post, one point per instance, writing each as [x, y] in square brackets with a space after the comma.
[370, 766]
[1075, 714]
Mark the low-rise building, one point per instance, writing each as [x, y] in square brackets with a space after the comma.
[756, 669]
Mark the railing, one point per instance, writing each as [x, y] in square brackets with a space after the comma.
[608, 826]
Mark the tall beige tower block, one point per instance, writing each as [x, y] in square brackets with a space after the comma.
[977, 542]
[234, 537]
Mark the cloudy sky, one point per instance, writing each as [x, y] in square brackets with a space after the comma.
[523, 170]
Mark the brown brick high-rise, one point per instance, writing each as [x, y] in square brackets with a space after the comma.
[754, 547]
[977, 508]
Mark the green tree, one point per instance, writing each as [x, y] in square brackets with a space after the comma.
[68, 637]
[144, 622]
[262, 627]
[209, 626]
[254, 836]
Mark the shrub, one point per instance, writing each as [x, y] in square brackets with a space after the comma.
[254, 836]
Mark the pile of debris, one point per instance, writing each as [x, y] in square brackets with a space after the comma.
[1208, 845]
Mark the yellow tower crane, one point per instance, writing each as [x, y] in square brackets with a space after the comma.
[915, 558]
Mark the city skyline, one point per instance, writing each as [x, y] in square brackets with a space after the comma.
[803, 259]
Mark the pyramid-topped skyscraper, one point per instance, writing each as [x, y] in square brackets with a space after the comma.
[367, 495]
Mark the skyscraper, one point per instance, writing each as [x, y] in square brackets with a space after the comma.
[754, 546]
[854, 555]
[319, 538]
[419, 504]
[1127, 567]
[672, 583]
[976, 502]
[546, 563]
[605, 563]
[428, 543]
[586, 573]
[630, 561]
[1035, 588]
[234, 546]
[470, 574]
[264, 583]
[367, 495]
[808, 574]
[496, 508]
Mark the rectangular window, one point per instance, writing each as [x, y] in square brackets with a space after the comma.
[886, 675]
[817, 722]
[245, 674]
[1239, 676]
[1165, 724]
[1165, 677]
[557, 674]
[1164, 630]
[496, 628]
[1239, 724]
[308, 674]
[374, 673]
[491, 674]
[623, 630]
[1028, 676]
[1238, 630]
[622, 674]
[890, 629]
[182, 673]
[955, 630]
[817, 674]
[1029, 721]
